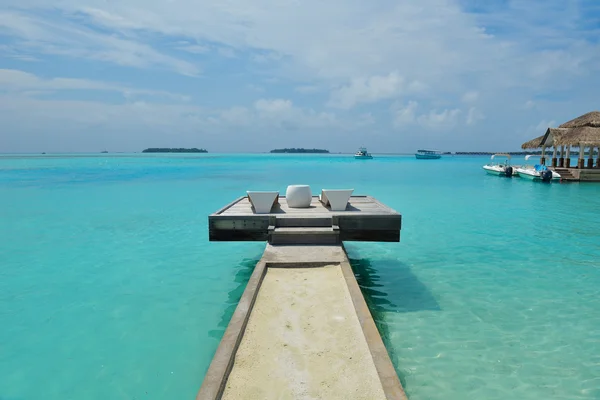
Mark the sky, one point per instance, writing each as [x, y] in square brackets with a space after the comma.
[251, 76]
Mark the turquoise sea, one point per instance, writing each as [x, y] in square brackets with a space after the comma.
[109, 288]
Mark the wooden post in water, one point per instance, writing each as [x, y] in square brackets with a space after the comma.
[581, 160]
[591, 158]
[568, 160]
[543, 158]
[561, 160]
[598, 157]
[554, 159]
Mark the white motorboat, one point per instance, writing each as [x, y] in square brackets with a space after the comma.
[363, 154]
[537, 172]
[500, 169]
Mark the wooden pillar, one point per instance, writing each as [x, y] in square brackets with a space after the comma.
[543, 158]
[591, 158]
[581, 161]
[561, 160]
[554, 159]
[598, 158]
[568, 160]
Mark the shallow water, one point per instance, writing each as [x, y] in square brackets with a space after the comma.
[109, 287]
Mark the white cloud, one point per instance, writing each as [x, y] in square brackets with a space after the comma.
[367, 90]
[15, 53]
[94, 126]
[226, 52]
[470, 97]
[282, 113]
[23, 82]
[307, 89]
[529, 104]
[435, 52]
[474, 116]
[535, 130]
[434, 119]
[255, 88]
[442, 119]
[235, 116]
[193, 48]
[18, 99]
[273, 106]
[417, 87]
[544, 125]
[344, 41]
[71, 40]
[404, 115]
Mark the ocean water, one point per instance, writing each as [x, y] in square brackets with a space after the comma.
[109, 288]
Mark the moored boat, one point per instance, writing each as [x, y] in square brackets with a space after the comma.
[504, 169]
[537, 172]
[427, 155]
[363, 154]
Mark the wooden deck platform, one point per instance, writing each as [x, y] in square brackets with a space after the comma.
[365, 219]
[578, 175]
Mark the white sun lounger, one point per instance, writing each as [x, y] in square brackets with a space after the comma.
[336, 199]
[263, 201]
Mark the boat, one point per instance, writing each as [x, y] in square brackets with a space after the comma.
[538, 172]
[504, 169]
[427, 155]
[362, 154]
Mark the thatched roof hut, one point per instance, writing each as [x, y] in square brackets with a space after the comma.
[591, 119]
[583, 135]
[552, 136]
[584, 131]
[534, 143]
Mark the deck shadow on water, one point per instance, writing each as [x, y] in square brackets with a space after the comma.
[244, 271]
[402, 292]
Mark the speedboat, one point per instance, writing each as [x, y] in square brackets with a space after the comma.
[537, 172]
[362, 154]
[504, 169]
[427, 155]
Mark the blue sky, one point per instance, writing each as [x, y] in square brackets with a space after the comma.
[233, 75]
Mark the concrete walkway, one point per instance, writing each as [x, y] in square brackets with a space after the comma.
[302, 330]
[304, 341]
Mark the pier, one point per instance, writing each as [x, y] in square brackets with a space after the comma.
[302, 328]
[578, 175]
[365, 219]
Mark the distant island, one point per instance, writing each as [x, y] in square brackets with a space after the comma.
[489, 153]
[515, 153]
[320, 151]
[168, 150]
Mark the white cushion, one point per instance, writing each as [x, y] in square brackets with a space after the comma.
[337, 199]
[262, 201]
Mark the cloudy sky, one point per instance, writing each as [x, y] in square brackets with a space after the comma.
[238, 75]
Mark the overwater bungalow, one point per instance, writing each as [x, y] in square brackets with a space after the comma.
[582, 133]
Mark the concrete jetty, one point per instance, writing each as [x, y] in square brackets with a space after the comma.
[302, 329]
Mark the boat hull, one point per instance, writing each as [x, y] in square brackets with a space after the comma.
[534, 175]
[427, 156]
[526, 175]
[363, 157]
[496, 171]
